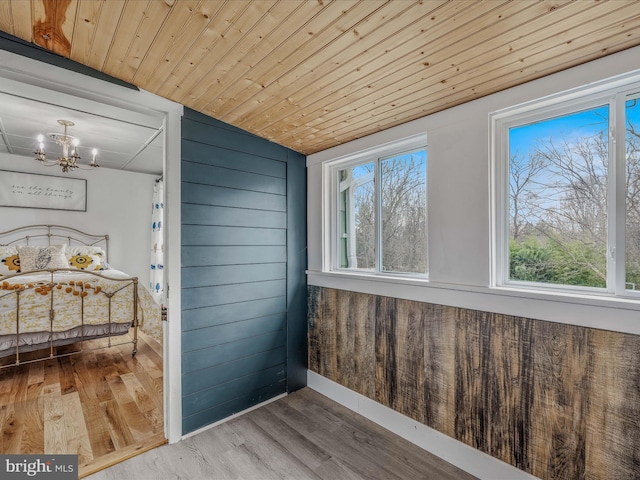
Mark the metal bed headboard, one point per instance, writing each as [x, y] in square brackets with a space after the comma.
[53, 234]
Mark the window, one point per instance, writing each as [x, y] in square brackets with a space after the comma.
[568, 194]
[380, 223]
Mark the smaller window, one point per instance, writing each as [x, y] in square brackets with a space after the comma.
[381, 216]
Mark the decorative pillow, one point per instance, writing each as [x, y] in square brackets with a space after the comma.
[84, 250]
[86, 258]
[9, 260]
[87, 262]
[42, 258]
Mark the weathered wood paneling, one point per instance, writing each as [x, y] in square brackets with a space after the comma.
[439, 364]
[555, 400]
[615, 375]
[561, 387]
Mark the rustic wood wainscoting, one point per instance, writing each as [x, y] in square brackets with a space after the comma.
[555, 400]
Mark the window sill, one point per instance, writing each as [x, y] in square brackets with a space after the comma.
[408, 279]
[603, 312]
[594, 299]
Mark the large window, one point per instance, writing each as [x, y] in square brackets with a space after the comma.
[381, 219]
[568, 194]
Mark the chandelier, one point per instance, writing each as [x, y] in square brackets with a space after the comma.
[69, 159]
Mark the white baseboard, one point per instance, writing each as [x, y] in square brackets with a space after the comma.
[453, 451]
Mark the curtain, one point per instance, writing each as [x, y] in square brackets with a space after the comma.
[156, 282]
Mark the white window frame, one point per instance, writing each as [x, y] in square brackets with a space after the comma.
[614, 94]
[331, 247]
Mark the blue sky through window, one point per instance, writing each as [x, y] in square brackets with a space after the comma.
[523, 139]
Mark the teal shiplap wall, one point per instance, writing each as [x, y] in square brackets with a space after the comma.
[243, 261]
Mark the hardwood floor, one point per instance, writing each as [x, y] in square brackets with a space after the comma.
[302, 436]
[103, 405]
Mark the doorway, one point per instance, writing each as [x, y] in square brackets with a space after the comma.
[50, 85]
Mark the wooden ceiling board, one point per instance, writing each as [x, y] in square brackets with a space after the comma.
[21, 19]
[312, 74]
[128, 29]
[87, 16]
[384, 75]
[361, 77]
[53, 22]
[220, 74]
[255, 70]
[320, 72]
[295, 47]
[482, 76]
[175, 28]
[195, 35]
[231, 23]
[5, 17]
[105, 30]
[154, 18]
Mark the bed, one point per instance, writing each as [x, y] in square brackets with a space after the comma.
[57, 288]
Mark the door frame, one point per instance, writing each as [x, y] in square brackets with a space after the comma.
[23, 76]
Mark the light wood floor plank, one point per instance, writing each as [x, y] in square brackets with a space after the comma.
[36, 373]
[152, 385]
[32, 440]
[264, 448]
[292, 440]
[136, 392]
[55, 434]
[118, 428]
[12, 428]
[78, 437]
[333, 468]
[99, 437]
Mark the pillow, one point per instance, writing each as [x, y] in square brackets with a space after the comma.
[85, 250]
[84, 257]
[9, 260]
[87, 262]
[42, 258]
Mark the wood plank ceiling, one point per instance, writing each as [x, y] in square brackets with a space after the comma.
[312, 74]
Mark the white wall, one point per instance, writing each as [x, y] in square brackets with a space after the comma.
[459, 211]
[118, 204]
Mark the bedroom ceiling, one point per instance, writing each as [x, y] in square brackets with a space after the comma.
[131, 146]
[313, 74]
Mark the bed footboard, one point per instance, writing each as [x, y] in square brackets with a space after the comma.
[47, 309]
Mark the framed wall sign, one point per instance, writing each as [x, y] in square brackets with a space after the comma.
[34, 190]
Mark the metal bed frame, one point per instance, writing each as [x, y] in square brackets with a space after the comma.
[44, 235]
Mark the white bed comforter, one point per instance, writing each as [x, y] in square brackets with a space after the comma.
[68, 294]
